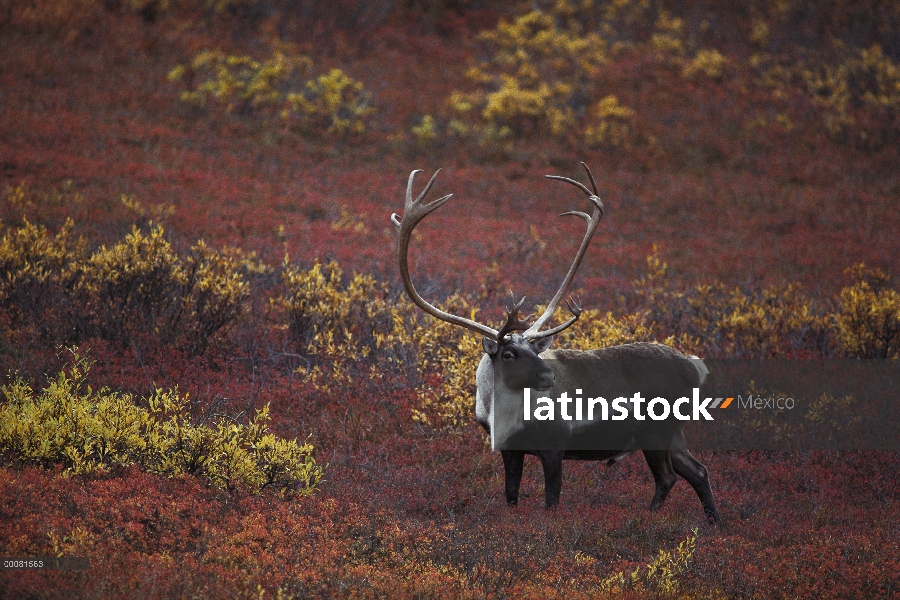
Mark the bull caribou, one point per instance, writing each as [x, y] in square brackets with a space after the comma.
[518, 356]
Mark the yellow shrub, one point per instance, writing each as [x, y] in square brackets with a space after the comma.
[856, 91]
[759, 32]
[353, 326]
[140, 285]
[149, 8]
[541, 65]
[425, 131]
[353, 329]
[134, 285]
[596, 330]
[611, 124]
[240, 83]
[213, 293]
[866, 80]
[762, 325]
[541, 74]
[868, 323]
[660, 576]
[331, 103]
[61, 19]
[349, 221]
[710, 62]
[149, 214]
[668, 36]
[35, 268]
[90, 431]
[453, 352]
[316, 302]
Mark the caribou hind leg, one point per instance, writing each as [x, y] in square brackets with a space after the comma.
[698, 476]
[660, 463]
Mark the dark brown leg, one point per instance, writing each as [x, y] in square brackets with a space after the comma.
[660, 464]
[552, 463]
[513, 462]
[697, 475]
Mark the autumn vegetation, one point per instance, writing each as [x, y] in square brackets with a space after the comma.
[214, 386]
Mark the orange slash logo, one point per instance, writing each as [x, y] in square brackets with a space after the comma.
[720, 404]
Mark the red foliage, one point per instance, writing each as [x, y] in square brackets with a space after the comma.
[404, 511]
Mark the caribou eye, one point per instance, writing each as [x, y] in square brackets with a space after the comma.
[509, 355]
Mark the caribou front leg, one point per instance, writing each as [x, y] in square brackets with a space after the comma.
[551, 460]
[513, 463]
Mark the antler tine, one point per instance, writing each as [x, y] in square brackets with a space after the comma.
[515, 308]
[413, 212]
[513, 305]
[414, 209]
[574, 307]
[572, 181]
[534, 332]
[591, 177]
[577, 213]
[513, 322]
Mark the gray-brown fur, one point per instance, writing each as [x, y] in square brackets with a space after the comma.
[667, 454]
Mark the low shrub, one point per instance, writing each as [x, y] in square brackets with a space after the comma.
[543, 67]
[342, 328]
[868, 322]
[661, 577]
[142, 286]
[138, 287]
[91, 431]
[37, 269]
[331, 103]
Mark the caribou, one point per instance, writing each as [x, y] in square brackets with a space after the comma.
[518, 356]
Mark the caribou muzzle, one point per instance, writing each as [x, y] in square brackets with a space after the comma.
[546, 379]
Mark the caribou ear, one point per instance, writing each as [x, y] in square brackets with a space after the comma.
[490, 346]
[542, 344]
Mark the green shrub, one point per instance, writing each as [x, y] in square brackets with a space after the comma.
[91, 431]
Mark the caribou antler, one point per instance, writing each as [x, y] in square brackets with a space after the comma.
[513, 322]
[413, 212]
[593, 220]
